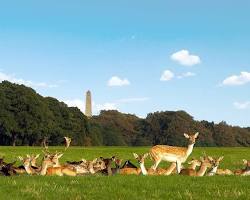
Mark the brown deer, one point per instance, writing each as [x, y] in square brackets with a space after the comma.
[129, 168]
[173, 154]
[205, 163]
[27, 165]
[117, 168]
[108, 162]
[245, 171]
[32, 159]
[215, 164]
[7, 169]
[86, 167]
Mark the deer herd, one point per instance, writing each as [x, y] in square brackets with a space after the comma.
[50, 164]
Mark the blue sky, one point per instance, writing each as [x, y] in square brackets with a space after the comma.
[135, 56]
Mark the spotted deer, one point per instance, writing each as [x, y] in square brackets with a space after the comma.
[129, 168]
[150, 171]
[27, 165]
[173, 154]
[245, 171]
[194, 163]
[215, 164]
[205, 164]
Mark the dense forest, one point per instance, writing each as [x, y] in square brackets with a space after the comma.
[27, 118]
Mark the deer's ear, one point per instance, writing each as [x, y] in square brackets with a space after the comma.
[210, 158]
[221, 158]
[202, 159]
[101, 158]
[84, 161]
[94, 161]
[244, 161]
[186, 135]
[196, 134]
[135, 155]
[145, 155]
[113, 158]
[28, 156]
[20, 158]
[60, 155]
[37, 156]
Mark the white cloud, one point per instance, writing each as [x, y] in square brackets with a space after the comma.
[76, 103]
[187, 74]
[242, 105]
[13, 79]
[183, 57]
[241, 79]
[167, 75]
[117, 81]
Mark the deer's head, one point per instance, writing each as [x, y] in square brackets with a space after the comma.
[195, 162]
[26, 161]
[215, 162]
[205, 162]
[33, 159]
[191, 137]
[246, 163]
[140, 158]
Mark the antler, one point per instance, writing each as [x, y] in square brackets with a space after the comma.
[44, 143]
[67, 142]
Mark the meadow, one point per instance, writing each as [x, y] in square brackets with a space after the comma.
[126, 187]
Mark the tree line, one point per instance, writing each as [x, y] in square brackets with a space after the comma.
[27, 118]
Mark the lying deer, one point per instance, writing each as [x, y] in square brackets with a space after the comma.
[128, 164]
[27, 165]
[245, 171]
[108, 163]
[205, 164]
[215, 164]
[173, 154]
[117, 168]
[7, 169]
[32, 159]
[194, 163]
[86, 167]
[129, 168]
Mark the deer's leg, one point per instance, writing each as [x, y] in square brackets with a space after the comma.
[178, 166]
[157, 162]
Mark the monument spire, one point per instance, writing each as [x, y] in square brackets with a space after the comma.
[88, 108]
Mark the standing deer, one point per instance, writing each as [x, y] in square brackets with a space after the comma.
[173, 154]
[150, 171]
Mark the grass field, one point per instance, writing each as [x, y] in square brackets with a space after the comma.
[126, 187]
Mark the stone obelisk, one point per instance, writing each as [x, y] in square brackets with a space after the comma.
[88, 108]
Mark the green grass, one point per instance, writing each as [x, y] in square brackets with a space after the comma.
[126, 187]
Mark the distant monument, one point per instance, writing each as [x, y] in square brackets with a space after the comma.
[88, 108]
